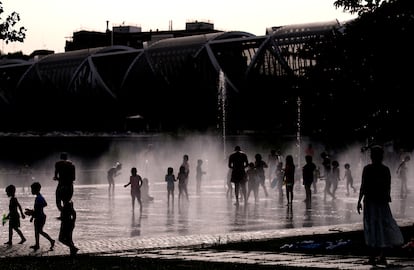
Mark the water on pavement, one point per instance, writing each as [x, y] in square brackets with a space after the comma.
[101, 216]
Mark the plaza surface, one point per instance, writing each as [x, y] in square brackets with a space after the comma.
[107, 225]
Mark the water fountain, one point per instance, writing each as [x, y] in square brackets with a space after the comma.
[221, 106]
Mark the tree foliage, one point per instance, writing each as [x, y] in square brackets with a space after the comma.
[8, 28]
[364, 79]
[358, 6]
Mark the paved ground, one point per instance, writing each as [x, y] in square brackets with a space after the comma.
[107, 226]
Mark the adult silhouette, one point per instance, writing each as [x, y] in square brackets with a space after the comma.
[65, 174]
[380, 228]
[237, 163]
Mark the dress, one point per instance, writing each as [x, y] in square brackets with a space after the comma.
[170, 179]
[380, 228]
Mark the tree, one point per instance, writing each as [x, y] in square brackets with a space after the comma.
[8, 31]
[359, 6]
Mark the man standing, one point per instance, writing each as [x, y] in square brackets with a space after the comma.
[65, 175]
[237, 163]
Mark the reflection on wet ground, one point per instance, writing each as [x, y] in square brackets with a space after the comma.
[101, 216]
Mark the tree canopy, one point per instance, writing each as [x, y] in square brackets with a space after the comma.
[358, 6]
[8, 29]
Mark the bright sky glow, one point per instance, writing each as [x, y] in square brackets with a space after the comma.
[50, 22]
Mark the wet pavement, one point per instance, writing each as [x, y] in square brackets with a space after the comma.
[106, 224]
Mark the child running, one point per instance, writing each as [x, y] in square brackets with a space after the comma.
[38, 216]
[13, 216]
[135, 181]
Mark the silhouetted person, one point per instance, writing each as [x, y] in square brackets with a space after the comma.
[289, 178]
[335, 177]
[272, 161]
[279, 179]
[252, 182]
[260, 166]
[199, 175]
[380, 229]
[13, 216]
[26, 176]
[38, 216]
[349, 179]
[67, 225]
[182, 178]
[237, 163]
[170, 179]
[145, 197]
[135, 181]
[402, 175]
[186, 165]
[112, 173]
[308, 173]
[316, 177]
[327, 175]
[65, 174]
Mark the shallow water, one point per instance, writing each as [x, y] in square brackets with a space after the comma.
[101, 216]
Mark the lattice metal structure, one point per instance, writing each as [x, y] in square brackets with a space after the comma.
[169, 84]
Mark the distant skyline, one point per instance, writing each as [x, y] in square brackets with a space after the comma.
[50, 23]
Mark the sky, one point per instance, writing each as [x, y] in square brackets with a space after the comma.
[50, 23]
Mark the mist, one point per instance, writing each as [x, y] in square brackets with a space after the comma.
[153, 154]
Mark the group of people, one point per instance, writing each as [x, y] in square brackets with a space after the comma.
[381, 231]
[242, 173]
[139, 185]
[65, 176]
[182, 178]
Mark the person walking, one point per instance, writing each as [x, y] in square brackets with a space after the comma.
[135, 181]
[65, 174]
[308, 172]
[237, 163]
[13, 215]
[38, 216]
[381, 231]
[349, 180]
[67, 225]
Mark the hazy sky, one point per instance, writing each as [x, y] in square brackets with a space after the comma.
[50, 22]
